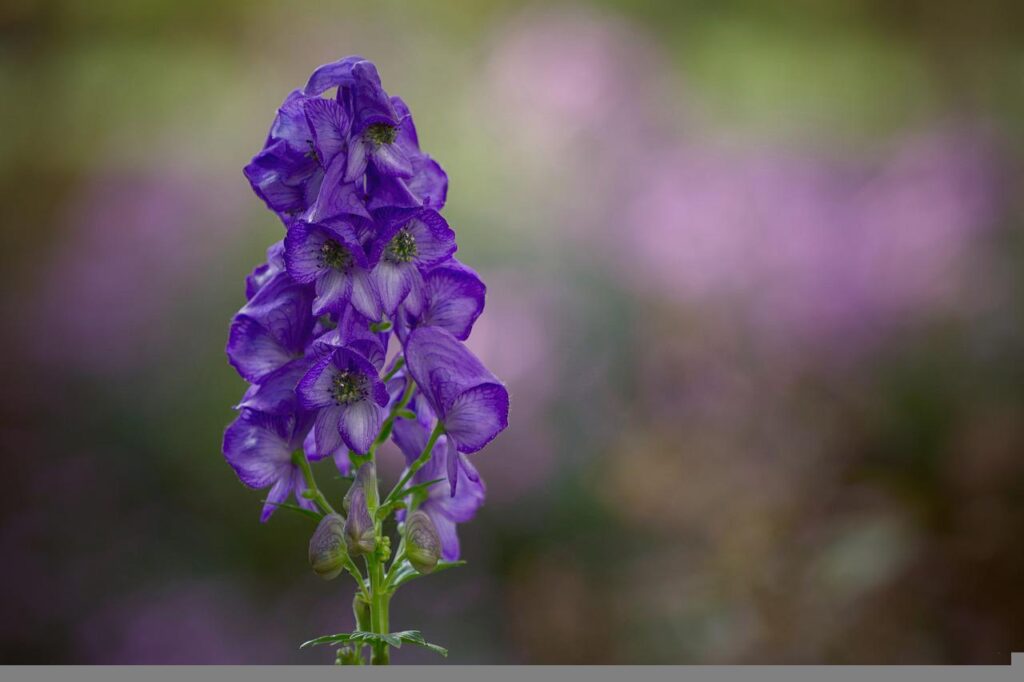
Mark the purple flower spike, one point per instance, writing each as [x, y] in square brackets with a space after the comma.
[366, 254]
[467, 398]
[259, 448]
[350, 398]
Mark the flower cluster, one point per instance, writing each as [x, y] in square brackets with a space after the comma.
[366, 258]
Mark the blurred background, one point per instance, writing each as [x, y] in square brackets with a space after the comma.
[754, 284]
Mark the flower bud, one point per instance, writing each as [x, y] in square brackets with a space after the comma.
[361, 610]
[365, 478]
[360, 533]
[422, 543]
[327, 551]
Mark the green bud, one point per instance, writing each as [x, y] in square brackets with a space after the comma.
[422, 543]
[360, 533]
[365, 479]
[327, 551]
[361, 610]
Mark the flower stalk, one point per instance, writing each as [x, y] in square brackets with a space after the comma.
[365, 271]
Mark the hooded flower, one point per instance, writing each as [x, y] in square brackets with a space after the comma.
[259, 448]
[329, 256]
[450, 501]
[349, 397]
[467, 398]
[272, 329]
[287, 173]
[406, 248]
[452, 297]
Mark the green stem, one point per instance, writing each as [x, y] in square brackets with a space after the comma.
[399, 364]
[416, 465]
[385, 429]
[378, 610]
[300, 460]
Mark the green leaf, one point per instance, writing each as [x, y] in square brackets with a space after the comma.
[419, 488]
[343, 638]
[406, 414]
[294, 507]
[393, 639]
[416, 637]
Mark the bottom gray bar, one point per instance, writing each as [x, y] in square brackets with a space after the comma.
[472, 673]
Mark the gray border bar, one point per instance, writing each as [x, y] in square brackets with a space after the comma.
[540, 673]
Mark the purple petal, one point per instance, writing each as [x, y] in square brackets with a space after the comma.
[331, 75]
[455, 298]
[278, 493]
[446, 532]
[476, 416]
[365, 298]
[411, 437]
[262, 274]
[369, 101]
[388, 193]
[337, 195]
[326, 435]
[435, 241]
[358, 156]
[443, 367]
[290, 122]
[257, 447]
[329, 126]
[303, 251]
[429, 182]
[276, 394]
[391, 159]
[406, 128]
[393, 282]
[253, 351]
[333, 290]
[314, 389]
[283, 307]
[360, 423]
[277, 176]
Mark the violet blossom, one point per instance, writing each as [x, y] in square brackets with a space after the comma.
[366, 258]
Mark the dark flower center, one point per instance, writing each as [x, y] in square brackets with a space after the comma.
[381, 133]
[348, 387]
[402, 247]
[334, 255]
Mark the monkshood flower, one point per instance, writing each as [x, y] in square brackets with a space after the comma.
[469, 401]
[330, 256]
[259, 447]
[452, 297]
[406, 248]
[348, 397]
[272, 329]
[366, 256]
[453, 500]
[287, 173]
